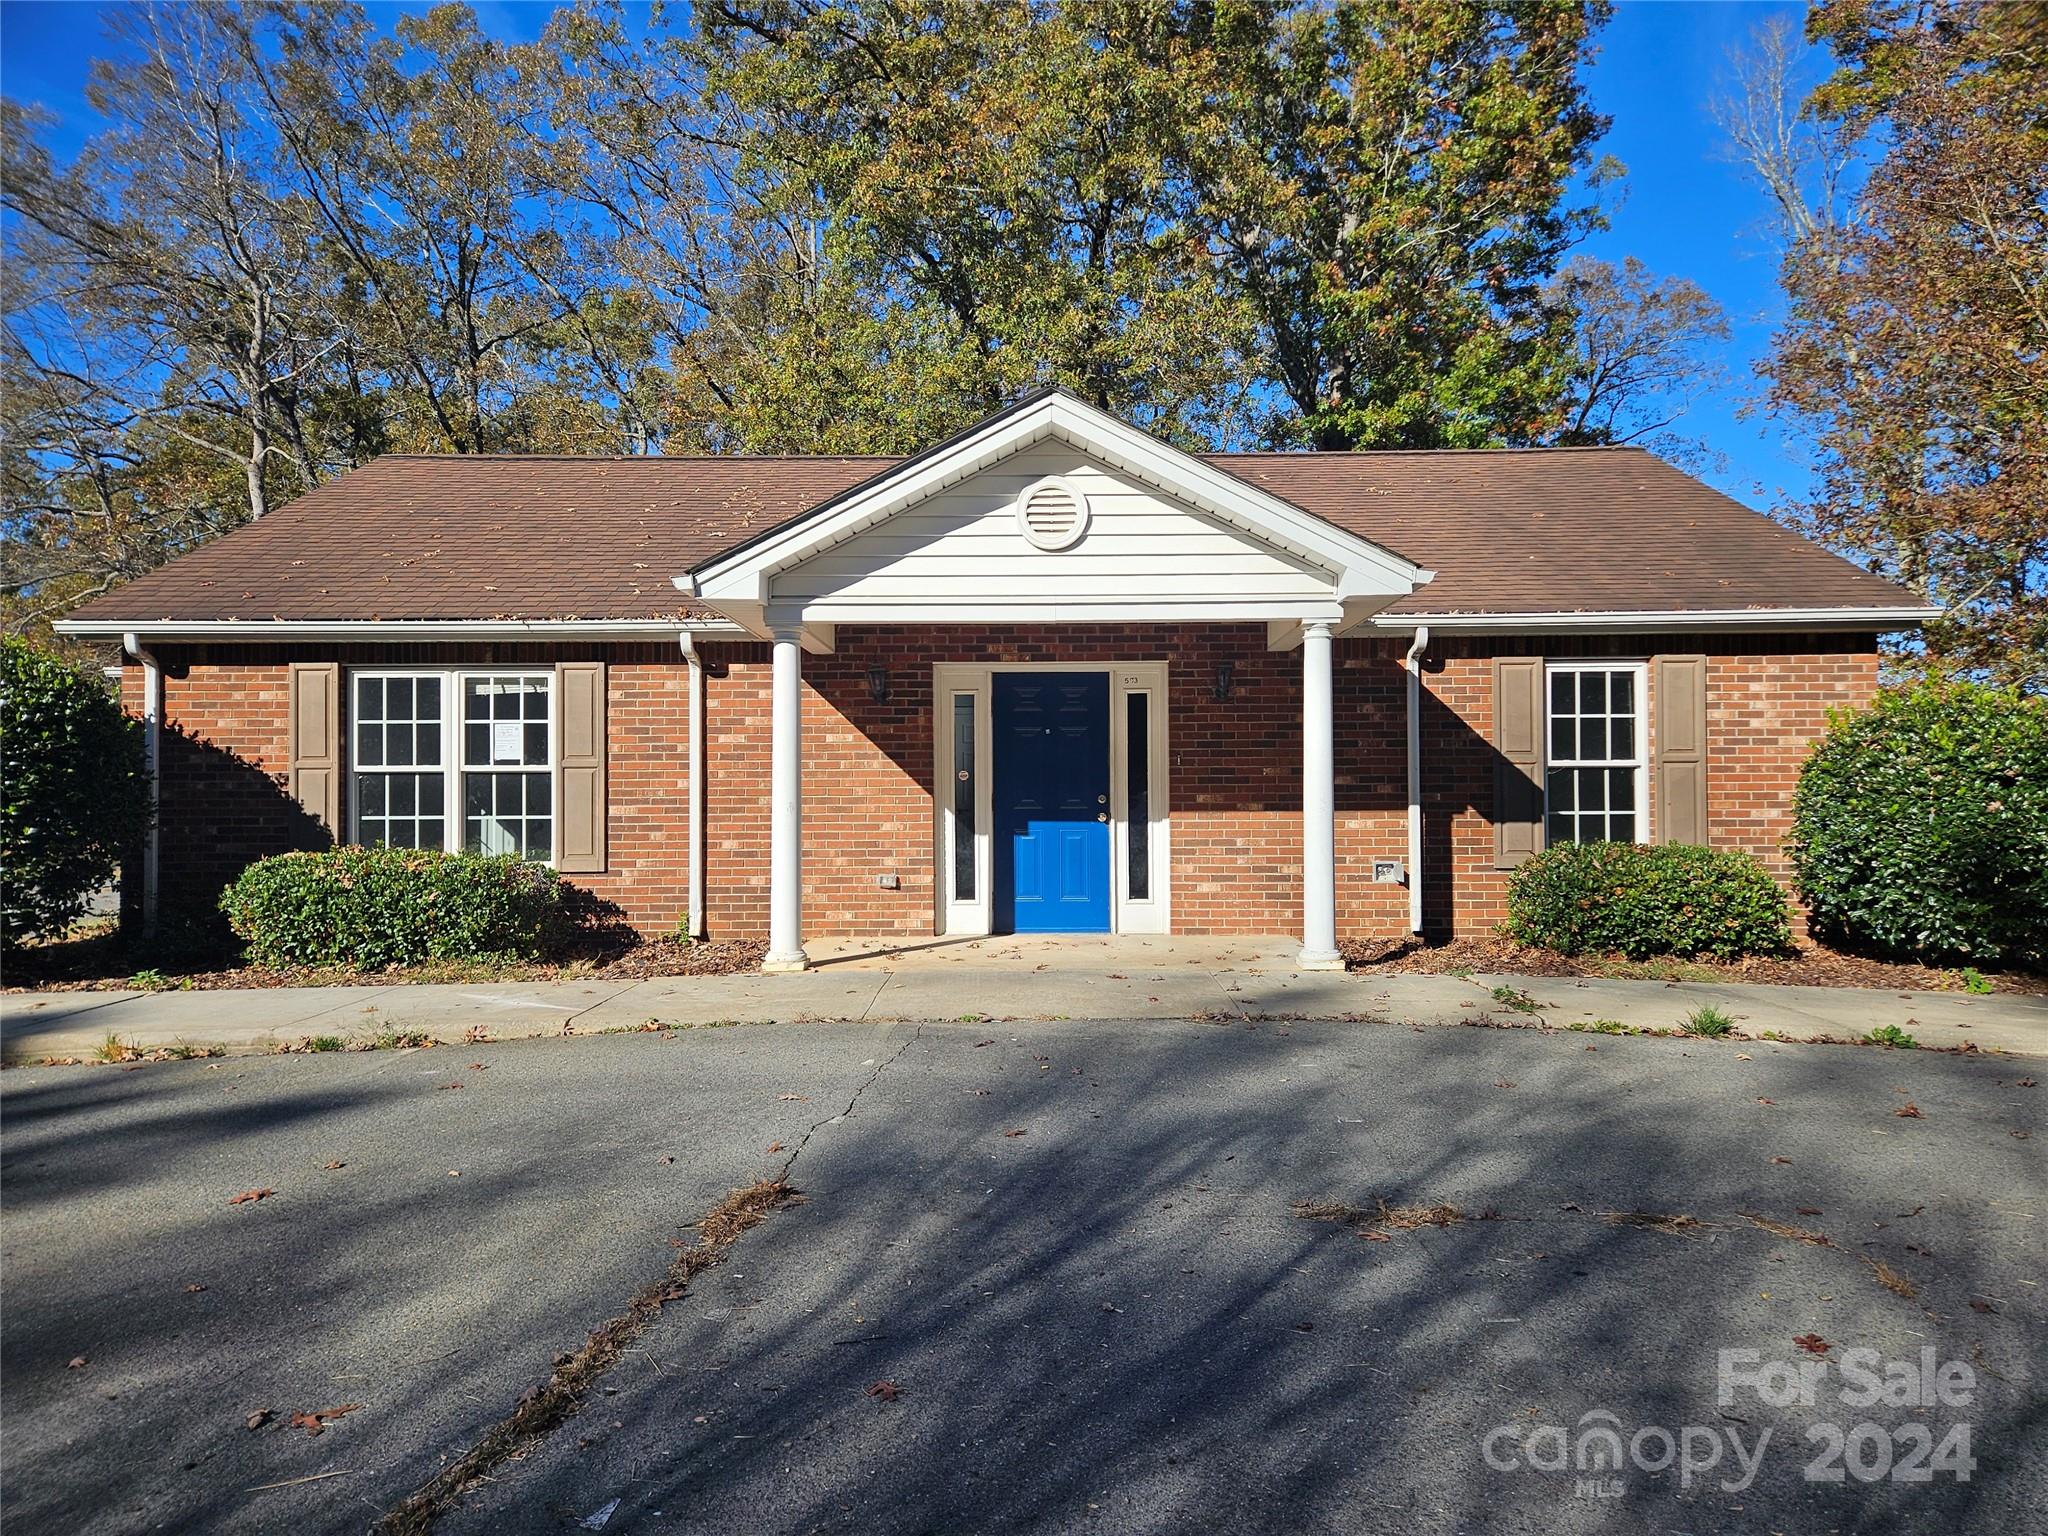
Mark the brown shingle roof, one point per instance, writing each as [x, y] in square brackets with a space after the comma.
[1539, 530]
[1565, 530]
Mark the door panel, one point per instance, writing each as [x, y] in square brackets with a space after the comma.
[1051, 802]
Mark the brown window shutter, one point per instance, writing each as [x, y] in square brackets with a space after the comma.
[579, 779]
[315, 740]
[1678, 773]
[1518, 775]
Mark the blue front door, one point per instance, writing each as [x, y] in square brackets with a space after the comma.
[1052, 802]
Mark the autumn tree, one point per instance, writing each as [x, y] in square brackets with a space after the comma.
[301, 237]
[999, 179]
[1644, 349]
[1915, 345]
[1390, 185]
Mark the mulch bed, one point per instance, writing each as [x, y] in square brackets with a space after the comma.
[1810, 965]
[87, 964]
[672, 957]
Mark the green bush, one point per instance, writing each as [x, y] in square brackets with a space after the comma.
[76, 795]
[369, 908]
[1920, 826]
[1675, 899]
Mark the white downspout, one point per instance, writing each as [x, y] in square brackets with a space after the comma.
[695, 661]
[1413, 662]
[152, 758]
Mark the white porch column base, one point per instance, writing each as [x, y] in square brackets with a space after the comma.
[785, 811]
[1318, 805]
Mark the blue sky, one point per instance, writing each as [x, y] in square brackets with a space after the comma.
[1685, 210]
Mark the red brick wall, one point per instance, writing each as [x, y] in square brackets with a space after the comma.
[1234, 766]
[1767, 702]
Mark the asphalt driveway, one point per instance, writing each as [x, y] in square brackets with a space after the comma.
[1072, 1252]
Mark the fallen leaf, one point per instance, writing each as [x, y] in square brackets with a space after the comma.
[1810, 1210]
[1979, 1304]
[479, 1066]
[1374, 1237]
[1766, 1101]
[1785, 1160]
[886, 1391]
[774, 1146]
[980, 1043]
[315, 1422]
[2026, 1082]
[1744, 1056]
[1016, 1133]
[793, 1098]
[257, 1419]
[446, 1086]
[194, 1288]
[77, 1363]
[248, 1196]
[337, 1163]
[1812, 1343]
[1304, 1327]
[1909, 1112]
[1503, 1083]
[2023, 1135]
[669, 1159]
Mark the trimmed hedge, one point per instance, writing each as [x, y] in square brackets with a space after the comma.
[1920, 826]
[370, 908]
[75, 796]
[1673, 899]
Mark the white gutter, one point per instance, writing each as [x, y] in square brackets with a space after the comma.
[392, 631]
[152, 759]
[1626, 621]
[1413, 662]
[695, 663]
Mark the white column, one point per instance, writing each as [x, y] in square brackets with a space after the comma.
[785, 811]
[1318, 806]
[695, 663]
[1413, 663]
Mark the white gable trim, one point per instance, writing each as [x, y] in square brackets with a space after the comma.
[1362, 576]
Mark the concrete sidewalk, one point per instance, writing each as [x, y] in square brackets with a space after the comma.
[35, 1026]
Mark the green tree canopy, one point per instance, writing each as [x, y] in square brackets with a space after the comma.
[299, 237]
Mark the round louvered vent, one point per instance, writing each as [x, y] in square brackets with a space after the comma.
[1052, 514]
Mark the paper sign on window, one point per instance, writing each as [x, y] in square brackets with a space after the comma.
[505, 741]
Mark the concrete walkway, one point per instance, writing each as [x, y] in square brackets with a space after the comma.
[995, 980]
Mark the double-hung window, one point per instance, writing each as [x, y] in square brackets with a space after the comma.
[1594, 780]
[454, 760]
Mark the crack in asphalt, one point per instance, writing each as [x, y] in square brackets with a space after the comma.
[860, 1088]
[418, 1513]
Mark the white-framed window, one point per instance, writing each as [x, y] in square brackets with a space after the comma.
[1596, 770]
[399, 752]
[457, 759]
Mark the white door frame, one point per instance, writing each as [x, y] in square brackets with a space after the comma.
[1151, 913]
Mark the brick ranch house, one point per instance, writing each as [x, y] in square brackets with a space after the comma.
[1051, 675]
